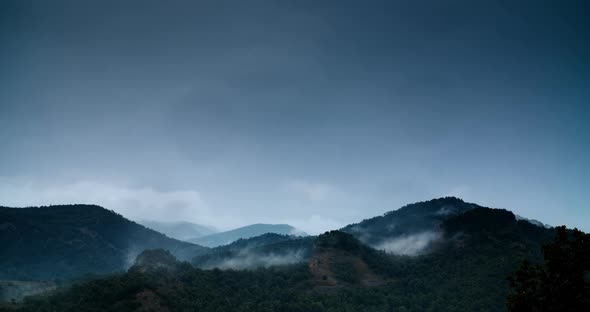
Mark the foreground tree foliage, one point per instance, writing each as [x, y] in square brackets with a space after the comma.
[559, 284]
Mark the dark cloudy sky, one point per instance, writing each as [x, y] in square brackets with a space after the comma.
[313, 113]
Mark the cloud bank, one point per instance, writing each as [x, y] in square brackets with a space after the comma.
[145, 203]
[136, 203]
[312, 191]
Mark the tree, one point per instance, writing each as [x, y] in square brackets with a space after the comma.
[561, 282]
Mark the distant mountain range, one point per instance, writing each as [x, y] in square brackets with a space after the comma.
[227, 237]
[179, 230]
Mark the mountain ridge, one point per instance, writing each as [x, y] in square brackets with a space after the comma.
[181, 230]
[467, 271]
[66, 241]
[244, 232]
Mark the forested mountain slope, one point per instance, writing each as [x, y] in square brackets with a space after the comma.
[410, 230]
[464, 269]
[261, 251]
[467, 271]
[61, 242]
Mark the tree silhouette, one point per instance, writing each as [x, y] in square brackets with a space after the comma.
[561, 283]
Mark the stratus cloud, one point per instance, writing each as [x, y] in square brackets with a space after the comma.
[132, 202]
[247, 259]
[409, 245]
[315, 224]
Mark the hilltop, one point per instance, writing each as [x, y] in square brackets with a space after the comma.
[67, 241]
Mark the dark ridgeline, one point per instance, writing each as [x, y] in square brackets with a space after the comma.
[561, 282]
[466, 269]
[67, 241]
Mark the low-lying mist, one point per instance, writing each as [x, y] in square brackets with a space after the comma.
[409, 245]
[248, 259]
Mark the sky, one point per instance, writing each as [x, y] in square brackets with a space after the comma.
[312, 113]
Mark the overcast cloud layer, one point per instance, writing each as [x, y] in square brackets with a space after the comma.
[313, 113]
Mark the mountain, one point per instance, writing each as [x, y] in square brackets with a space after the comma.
[411, 230]
[227, 237]
[339, 260]
[463, 268]
[179, 230]
[533, 221]
[156, 260]
[66, 241]
[467, 271]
